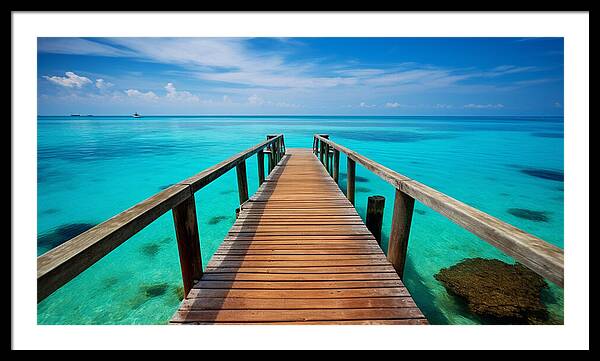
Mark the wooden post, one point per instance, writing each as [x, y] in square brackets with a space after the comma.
[401, 220]
[322, 149]
[242, 181]
[321, 152]
[375, 205]
[261, 167]
[336, 165]
[271, 155]
[351, 180]
[188, 242]
[327, 157]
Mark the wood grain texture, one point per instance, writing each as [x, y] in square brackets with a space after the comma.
[299, 253]
[540, 256]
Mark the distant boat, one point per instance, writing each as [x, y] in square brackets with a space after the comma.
[75, 115]
[136, 115]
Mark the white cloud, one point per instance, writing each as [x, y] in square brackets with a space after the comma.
[103, 84]
[134, 93]
[393, 105]
[79, 46]
[483, 106]
[365, 105]
[255, 100]
[174, 94]
[71, 80]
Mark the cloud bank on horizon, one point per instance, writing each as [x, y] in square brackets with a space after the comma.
[354, 76]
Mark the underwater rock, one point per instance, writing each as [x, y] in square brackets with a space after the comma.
[150, 249]
[544, 174]
[50, 211]
[62, 233]
[548, 135]
[357, 178]
[363, 189]
[420, 211]
[528, 214]
[227, 191]
[110, 281]
[155, 289]
[217, 219]
[497, 291]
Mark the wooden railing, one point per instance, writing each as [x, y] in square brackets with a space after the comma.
[540, 256]
[61, 264]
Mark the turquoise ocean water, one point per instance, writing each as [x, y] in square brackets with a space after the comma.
[91, 168]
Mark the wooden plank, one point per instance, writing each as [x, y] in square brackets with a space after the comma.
[295, 315]
[295, 303]
[198, 292]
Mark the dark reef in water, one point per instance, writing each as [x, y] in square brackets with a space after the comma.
[147, 292]
[110, 281]
[62, 233]
[398, 136]
[150, 249]
[165, 186]
[420, 211]
[548, 135]
[544, 174]
[50, 211]
[528, 214]
[496, 291]
[217, 219]
[229, 191]
[363, 189]
[357, 178]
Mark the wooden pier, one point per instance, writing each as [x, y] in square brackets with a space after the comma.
[298, 252]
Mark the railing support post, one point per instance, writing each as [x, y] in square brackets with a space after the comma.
[351, 173]
[327, 158]
[188, 242]
[374, 221]
[336, 165]
[242, 181]
[271, 155]
[322, 148]
[401, 221]
[261, 167]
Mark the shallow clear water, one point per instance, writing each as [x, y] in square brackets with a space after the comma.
[91, 168]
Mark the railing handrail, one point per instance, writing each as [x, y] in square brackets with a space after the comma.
[545, 259]
[64, 262]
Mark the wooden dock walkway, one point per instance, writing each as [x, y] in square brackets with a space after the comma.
[299, 253]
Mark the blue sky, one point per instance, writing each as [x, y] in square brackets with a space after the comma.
[329, 76]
